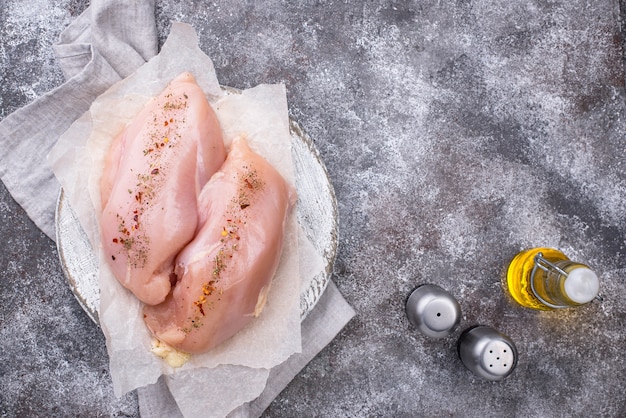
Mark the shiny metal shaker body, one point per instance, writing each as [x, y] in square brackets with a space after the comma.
[488, 353]
[433, 311]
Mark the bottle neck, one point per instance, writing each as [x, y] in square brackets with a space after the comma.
[563, 283]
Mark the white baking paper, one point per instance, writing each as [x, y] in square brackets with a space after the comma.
[236, 371]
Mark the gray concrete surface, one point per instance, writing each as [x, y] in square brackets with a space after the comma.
[455, 133]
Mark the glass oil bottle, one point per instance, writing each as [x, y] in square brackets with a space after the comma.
[546, 279]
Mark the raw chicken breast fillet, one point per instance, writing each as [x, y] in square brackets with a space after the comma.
[224, 274]
[152, 177]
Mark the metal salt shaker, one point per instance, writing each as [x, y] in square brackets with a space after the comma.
[487, 353]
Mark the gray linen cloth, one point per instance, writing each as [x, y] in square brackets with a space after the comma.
[108, 42]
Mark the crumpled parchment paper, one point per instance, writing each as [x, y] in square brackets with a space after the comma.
[213, 383]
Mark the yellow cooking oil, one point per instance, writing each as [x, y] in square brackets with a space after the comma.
[546, 279]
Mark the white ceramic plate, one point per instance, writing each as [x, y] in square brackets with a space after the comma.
[316, 212]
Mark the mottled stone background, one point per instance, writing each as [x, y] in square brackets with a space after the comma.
[456, 133]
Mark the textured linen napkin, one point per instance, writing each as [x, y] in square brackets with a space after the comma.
[107, 43]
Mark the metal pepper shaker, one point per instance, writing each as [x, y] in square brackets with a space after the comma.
[433, 311]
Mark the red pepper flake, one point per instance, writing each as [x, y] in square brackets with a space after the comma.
[155, 172]
[136, 218]
[165, 123]
[199, 305]
[115, 240]
[208, 288]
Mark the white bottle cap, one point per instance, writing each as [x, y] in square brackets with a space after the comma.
[581, 285]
